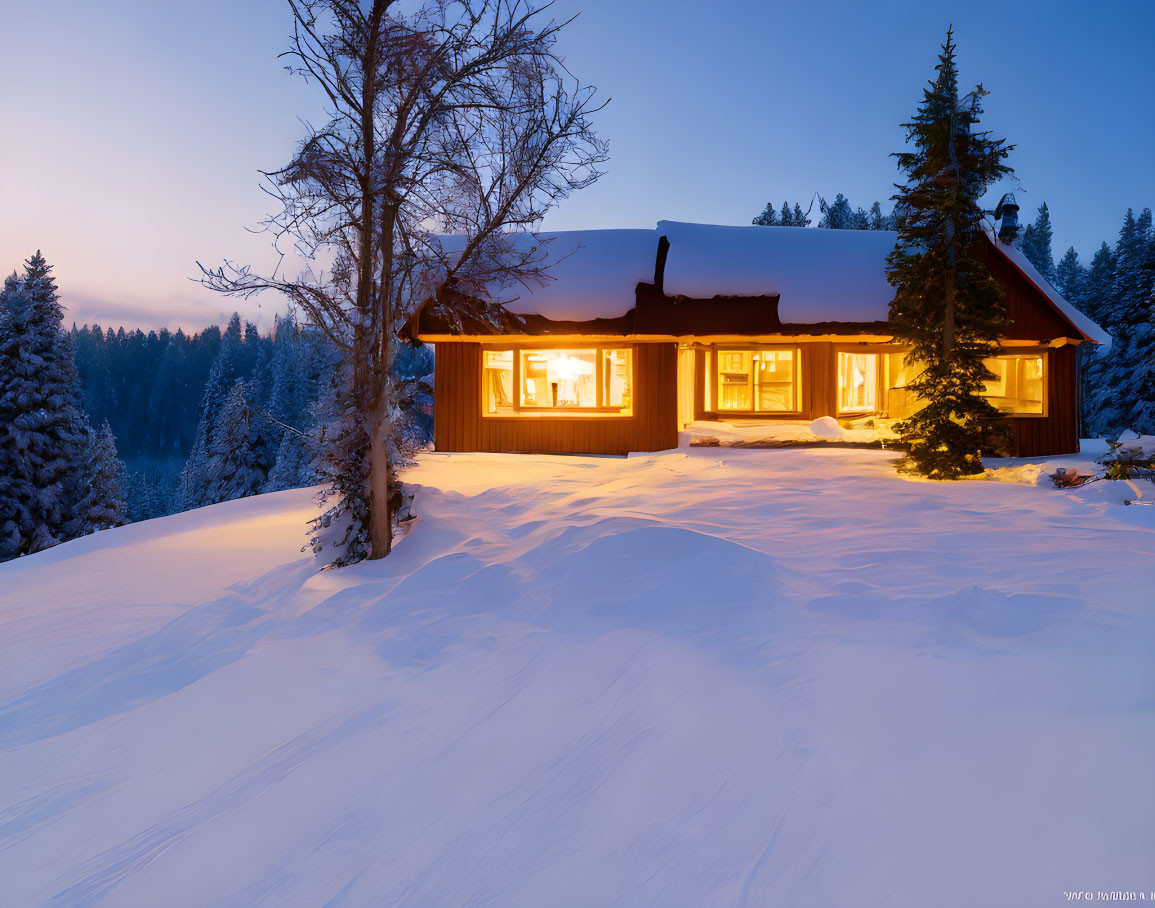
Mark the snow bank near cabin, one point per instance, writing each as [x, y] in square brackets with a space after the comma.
[706, 677]
[822, 275]
[817, 431]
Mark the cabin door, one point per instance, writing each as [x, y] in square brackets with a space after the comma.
[685, 387]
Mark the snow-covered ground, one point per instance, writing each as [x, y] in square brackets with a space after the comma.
[709, 677]
[823, 430]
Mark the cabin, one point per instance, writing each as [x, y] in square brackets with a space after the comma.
[642, 332]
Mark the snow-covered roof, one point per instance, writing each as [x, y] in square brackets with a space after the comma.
[821, 275]
[1073, 315]
[594, 273]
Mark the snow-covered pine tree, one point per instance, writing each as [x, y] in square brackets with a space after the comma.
[800, 217]
[237, 466]
[1097, 286]
[1118, 395]
[196, 478]
[1069, 276]
[1036, 243]
[42, 430]
[877, 221]
[1140, 413]
[1095, 301]
[946, 305]
[102, 504]
[786, 216]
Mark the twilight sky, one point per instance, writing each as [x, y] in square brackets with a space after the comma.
[134, 129]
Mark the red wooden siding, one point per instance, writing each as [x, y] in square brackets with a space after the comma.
[1058, 431]
[1032, 315]
[459, 425]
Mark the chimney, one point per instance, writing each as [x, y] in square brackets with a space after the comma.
[660, 265]
[1008, 211]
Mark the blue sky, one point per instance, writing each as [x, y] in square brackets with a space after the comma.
[134, 129]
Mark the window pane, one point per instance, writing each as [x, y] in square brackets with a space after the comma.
[734, 380]
[758, 381]
[559, 378]
[1018, 383]
[497, 381]
[616, 378]
[857, 382]
[774, 381]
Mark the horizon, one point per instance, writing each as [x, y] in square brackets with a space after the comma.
[170, 112]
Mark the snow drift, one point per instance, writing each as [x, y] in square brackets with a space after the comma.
[709, 677]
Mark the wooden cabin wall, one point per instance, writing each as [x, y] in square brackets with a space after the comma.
[1031, 313]
[1058, 431]
[458, 424]
[819, 381]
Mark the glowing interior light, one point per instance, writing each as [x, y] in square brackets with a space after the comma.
[567, 368]
[857, 382]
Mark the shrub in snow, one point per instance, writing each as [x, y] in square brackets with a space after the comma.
[1131, 456]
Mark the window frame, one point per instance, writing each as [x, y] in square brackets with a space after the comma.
[1040, 353]
[519, 411]
[880, 383]
[712, 379]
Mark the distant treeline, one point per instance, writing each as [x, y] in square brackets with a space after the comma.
[101, 427]
[1117, 291]
[211, 416]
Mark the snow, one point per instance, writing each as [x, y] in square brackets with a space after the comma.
[1135, 445]
[711, 676]
[826, 427]
[823, 429]
[1077, 318]
[822, 275]
[593, 273]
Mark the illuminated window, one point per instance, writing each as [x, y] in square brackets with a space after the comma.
[577, 381]
[857, 382]
[1019, 384]
[757, 381]
[497, 381]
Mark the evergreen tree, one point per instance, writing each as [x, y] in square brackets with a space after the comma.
[196, 479]
[784, 218]
[838, 215]
[102, 504]
[1036, 244]
[768, 217]
[1118, 383]
[1069, 277]
[236, 466]
[42, 431]
[946, 306]
[1097, 286]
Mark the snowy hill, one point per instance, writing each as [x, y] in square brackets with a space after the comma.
[709, 677]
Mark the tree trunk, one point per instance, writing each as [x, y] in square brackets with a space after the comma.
[948, 315]
[380, 505]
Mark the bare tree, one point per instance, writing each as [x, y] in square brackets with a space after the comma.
[457, 119]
